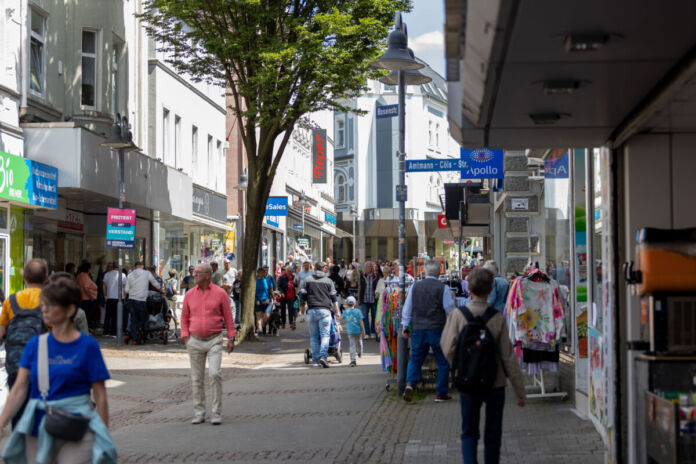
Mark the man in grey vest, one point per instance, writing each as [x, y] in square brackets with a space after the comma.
[424, 315]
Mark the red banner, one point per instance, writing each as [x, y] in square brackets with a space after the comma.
[441, 221]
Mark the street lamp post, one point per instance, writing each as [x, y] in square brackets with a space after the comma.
[400, 59]
[354, 214]
[242, 186]
[121, 139]
[302, 202]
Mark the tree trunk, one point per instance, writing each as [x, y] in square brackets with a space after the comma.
[257, 192]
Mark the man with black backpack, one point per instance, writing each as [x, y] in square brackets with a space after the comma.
[21, 319]
[476, 343]
[424, 314]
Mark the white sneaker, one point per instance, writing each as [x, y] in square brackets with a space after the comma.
[316, 365]
[198, 419]
[216, 420]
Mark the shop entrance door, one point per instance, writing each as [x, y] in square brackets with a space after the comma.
[4, 264]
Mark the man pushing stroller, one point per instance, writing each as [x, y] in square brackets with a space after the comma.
[319, 293]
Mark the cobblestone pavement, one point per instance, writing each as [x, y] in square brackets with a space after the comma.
[276, 408]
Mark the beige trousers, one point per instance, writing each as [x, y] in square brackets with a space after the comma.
[64, 452]
[199, 350]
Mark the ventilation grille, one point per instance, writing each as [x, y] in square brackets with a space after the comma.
[682, 323]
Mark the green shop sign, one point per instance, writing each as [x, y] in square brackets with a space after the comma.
[28, 181]
[303, 242]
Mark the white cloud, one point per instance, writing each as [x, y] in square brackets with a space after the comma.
[433, 40]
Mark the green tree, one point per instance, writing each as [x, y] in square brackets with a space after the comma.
[279, 60]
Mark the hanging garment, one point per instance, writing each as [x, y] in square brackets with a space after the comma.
[535, 312]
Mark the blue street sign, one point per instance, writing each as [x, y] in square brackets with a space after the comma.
[483, 163]
[276, 206]
[330, 218]
[298, 226]
[387, 111]
[429, 165]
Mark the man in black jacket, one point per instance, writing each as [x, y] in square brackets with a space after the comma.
[368, 300]
[319, 293]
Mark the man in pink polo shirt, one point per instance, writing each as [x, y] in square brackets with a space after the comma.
[205, 307]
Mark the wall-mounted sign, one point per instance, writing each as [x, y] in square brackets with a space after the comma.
[330, 218]
[429, 165]
[319, 163]
[272, 221]
[304, 242]
[387, 111]
[28, 181]
[442, 221]
[298, 226]
[520, 204]
[276, 206]
[120, 228]
[556, 165]
[483, 163]
[209, 204]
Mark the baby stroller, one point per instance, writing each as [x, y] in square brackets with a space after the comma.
[334, 343]
[160, 318]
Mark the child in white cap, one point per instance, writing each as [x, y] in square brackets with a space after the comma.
[355, 327]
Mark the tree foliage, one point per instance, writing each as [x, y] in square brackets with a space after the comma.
[279, 60]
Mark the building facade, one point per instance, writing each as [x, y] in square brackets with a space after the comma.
[81, 66]
[366, 170]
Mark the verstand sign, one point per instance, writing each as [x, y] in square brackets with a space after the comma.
[120, 228]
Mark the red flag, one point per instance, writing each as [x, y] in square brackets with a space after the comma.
[441, 221]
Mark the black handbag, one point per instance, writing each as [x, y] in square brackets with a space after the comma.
[59, 423]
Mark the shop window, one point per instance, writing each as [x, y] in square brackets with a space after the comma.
[37, 59]
[89, 69]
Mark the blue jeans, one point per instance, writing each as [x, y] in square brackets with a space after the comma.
[471, 413]
[369, 311]
[319, 330]
[421, 341]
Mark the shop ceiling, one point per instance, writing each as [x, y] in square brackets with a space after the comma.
[521, 85]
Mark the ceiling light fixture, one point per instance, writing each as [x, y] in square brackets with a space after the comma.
[560, 86]
[585, 42]
[547, 118]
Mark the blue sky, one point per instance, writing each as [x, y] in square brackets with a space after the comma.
[425, 32]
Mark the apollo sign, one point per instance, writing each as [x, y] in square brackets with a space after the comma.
[556, 165]
[483, 163]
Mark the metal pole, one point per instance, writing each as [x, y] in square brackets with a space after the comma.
[119, 306]
[353, 257]
[402, 344]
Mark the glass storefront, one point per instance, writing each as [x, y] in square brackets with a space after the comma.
[304, 246]
[44, 238]
[182, 244]
[99, 255]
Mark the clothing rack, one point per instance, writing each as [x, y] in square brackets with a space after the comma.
[539, 383]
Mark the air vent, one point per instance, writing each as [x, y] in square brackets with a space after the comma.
[682, 324]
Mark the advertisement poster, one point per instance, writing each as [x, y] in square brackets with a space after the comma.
[598, 392]
[120, 228]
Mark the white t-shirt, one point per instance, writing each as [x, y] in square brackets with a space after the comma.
[111, 282]
[229, 277]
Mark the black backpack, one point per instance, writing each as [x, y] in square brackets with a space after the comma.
[475, 365]
[24, 325]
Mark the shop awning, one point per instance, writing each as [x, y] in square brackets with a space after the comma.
[545, 73]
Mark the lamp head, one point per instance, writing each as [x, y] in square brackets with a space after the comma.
[397, 56]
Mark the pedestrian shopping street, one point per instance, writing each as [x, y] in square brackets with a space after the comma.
[277, 409]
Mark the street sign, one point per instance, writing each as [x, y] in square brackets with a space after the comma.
[401, 193]
[304, 242]
[276, 206]
[442, 221]
[330, 218]
[298, 226]
[120, 228]
[387, 111]
[520, 204]
[429, 165]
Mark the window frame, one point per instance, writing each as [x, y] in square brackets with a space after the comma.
[341, 121]
[42, 40]
[194, 149]
[95, 57]
[341, 185]
[177, 141]
[166, 134]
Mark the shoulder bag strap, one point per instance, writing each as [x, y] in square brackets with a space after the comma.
[467, 314]
[488, 314]
[13, 303]
[44, 383]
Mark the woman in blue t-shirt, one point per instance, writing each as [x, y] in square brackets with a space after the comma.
[76, 370]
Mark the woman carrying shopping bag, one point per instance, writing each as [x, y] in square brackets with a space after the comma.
[58, 371]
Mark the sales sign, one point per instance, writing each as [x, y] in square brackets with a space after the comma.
[276, 206]
[120, 228]
[319, 164]
[387, 111]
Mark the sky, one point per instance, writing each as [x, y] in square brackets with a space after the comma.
[425, 32]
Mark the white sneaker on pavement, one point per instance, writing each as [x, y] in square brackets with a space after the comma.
[216, 420]
[198, 419]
